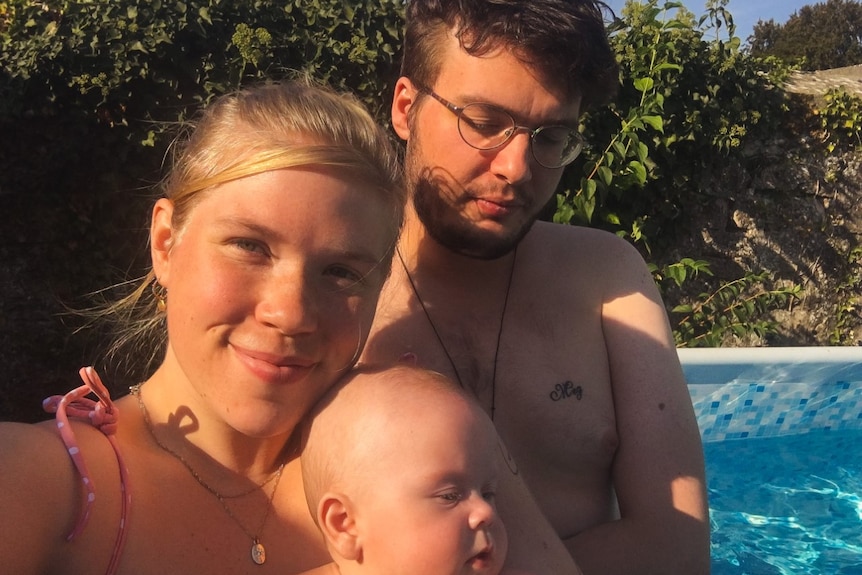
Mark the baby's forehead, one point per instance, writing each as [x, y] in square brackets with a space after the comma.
[400, 382]
[374, 407]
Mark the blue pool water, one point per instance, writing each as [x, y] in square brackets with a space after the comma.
[782, 433]
[786, 505]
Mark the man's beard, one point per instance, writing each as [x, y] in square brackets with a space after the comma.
[445, 225]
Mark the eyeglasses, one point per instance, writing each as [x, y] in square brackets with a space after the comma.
[486, 127]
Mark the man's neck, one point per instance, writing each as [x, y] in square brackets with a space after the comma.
[429, 260]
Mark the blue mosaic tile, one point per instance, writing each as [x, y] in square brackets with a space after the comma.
[736, 410]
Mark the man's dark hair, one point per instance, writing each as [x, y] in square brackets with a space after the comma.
[564, 40]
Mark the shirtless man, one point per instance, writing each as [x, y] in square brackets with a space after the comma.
[558, 330]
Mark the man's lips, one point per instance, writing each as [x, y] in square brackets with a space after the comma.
[496, 208]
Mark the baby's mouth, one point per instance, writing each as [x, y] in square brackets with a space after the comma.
[482, 559]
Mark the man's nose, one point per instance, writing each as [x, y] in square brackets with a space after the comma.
[512, 160]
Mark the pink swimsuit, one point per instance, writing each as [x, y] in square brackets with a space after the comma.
[102, 415]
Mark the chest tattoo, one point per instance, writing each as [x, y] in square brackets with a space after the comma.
[566, 390]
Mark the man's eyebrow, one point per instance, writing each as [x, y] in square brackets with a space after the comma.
[468, 99]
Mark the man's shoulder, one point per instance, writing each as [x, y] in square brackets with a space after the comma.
[576, 243]
[566, 232]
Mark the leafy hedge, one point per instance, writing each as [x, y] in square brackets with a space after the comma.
[91, 92]
[133, 60]
[92, 87]
[687, 104]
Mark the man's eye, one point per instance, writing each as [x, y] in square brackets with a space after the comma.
[553, 137]
[486, 125]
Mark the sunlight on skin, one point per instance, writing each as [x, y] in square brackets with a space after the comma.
[679, 489]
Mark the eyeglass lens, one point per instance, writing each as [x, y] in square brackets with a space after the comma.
[485, 127]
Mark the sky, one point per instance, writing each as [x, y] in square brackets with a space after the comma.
[745, 13]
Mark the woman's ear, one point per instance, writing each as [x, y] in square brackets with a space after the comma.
[337, 520]
[162, 239]
[402, 100]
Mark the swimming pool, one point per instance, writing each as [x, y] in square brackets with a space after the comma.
[782, 433]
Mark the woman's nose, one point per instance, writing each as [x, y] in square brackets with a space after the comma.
[289, 305]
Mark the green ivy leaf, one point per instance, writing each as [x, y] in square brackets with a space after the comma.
[643, 84]
[656, 122]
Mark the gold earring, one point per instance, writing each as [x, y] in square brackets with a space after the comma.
[160, 292]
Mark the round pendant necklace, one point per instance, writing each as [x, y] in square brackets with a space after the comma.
[258, 551]
[440, 338]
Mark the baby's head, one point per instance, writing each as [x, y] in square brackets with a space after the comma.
[399, 466]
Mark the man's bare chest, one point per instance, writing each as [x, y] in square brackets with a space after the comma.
[547, 384]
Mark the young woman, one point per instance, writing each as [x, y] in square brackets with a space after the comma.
[269, 249]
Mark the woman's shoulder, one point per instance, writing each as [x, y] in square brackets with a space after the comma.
[41, 449]
[41, 491]
[38, 494]
[33, 455]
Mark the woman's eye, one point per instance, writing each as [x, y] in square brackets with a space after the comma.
[344, 275]
[249, 245]
[489, 496]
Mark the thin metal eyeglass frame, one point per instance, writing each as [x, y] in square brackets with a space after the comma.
[459, 111]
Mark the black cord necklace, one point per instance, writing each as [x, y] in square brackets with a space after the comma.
[440, 338]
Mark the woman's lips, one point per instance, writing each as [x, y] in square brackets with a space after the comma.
[274, 368]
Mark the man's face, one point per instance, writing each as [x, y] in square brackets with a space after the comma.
[479, 203]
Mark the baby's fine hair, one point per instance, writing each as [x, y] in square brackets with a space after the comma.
[331, 455]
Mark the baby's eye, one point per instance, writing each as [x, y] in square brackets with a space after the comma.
[489, 496]
[450, 496]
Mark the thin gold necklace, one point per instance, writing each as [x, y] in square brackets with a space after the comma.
[440, 338]
[258, 551]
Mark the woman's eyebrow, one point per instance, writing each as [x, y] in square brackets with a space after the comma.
[351, 252]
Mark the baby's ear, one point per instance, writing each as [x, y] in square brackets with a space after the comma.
[337, 520]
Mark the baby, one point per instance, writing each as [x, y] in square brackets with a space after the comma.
[399, 472]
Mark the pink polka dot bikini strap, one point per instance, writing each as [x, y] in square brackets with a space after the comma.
[101, 414]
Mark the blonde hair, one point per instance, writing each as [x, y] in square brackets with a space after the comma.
[257, 129]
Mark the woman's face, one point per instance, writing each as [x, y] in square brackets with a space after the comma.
[272, 285]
